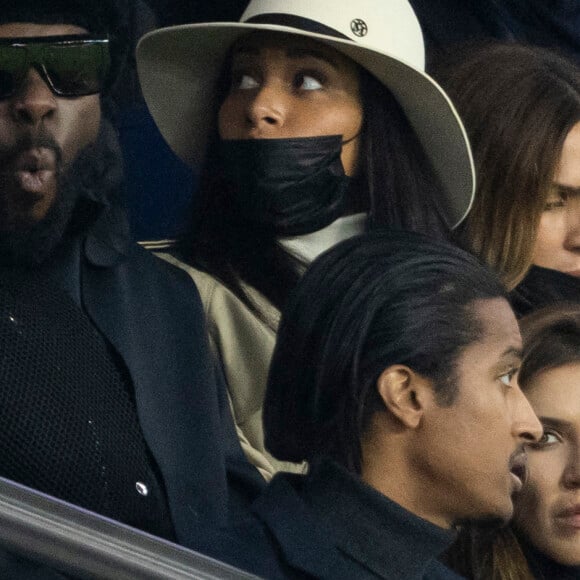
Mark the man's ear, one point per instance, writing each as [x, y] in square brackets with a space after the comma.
[405, 394]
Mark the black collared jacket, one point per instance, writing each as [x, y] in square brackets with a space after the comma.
[330, 525]
[151, 313]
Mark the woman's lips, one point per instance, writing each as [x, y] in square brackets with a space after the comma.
[569, 517]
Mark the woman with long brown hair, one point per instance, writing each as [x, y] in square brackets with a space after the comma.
[521, 108]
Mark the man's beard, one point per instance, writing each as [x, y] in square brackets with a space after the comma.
[82, 189]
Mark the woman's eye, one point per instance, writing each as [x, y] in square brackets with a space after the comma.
[555, 202]
[244, 82]
[308, 83]
[553, 205]
[548, 438]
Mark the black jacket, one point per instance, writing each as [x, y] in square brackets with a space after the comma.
[151, 315]
[544, 568]
[328, 524]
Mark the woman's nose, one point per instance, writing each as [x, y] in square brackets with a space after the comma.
[267, 109]
[572, 241]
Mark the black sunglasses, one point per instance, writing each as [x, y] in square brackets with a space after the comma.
[72, 66]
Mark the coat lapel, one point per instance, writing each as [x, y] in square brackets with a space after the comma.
[306, 545]
[152, 316]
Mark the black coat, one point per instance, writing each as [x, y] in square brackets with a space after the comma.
[330, 525]
[151, 314]
[544, 568]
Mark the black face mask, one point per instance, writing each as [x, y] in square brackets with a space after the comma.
[288, 186]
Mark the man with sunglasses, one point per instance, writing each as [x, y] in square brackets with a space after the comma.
[108, 396]
[50, 80]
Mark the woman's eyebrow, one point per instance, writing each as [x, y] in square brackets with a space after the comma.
[243, 49]
[512, 354]
[297, 52]
[555, 422]
[567, 189]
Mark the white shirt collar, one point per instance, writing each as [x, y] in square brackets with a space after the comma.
[309, 246]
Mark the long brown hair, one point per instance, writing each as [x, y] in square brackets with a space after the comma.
[481, 554]
[518, 104]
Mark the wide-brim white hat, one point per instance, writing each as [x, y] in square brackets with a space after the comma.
[179, 68]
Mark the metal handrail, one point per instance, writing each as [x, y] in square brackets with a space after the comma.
[79, 542]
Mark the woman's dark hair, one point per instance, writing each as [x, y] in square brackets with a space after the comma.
[518, 104]
[395, 184]
[551, 339]
[372, 301]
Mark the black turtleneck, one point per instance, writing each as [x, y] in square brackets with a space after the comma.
[544, 568]
[370, 528]
[328, 524]
[542, 287]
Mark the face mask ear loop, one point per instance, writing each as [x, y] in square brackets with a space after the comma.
[352, 138]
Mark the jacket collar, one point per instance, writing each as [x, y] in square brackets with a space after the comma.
[312, 551]
[344, 515]
[108, 240]
[544, 567]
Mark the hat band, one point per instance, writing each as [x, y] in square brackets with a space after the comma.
[294, 21]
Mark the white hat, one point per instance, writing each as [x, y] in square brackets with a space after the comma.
[179, 67]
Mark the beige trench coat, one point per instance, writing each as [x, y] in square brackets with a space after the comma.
[244, 344]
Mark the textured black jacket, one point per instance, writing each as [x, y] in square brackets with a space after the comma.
[330, 525]
[151, 315]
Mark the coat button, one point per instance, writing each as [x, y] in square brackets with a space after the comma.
[142, 488]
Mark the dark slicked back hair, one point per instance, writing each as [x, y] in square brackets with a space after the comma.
[551, 339]
[109, 18]
[370, 302]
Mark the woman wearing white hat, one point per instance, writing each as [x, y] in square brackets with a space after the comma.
[313, 121]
